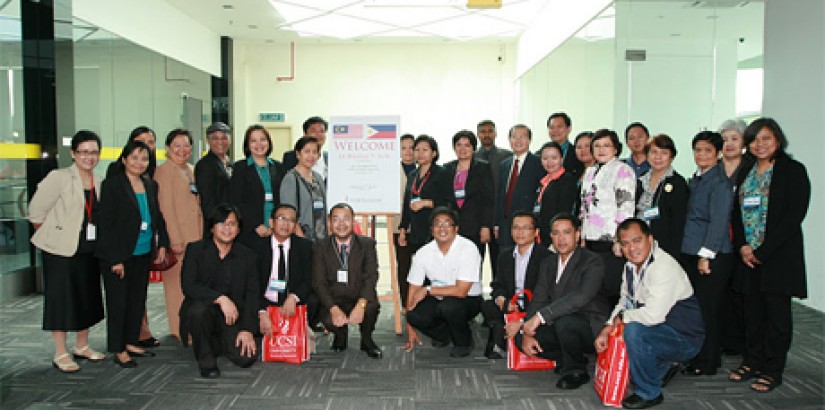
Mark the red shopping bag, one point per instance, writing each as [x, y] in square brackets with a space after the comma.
[155, 276]
[516, 359]
[289, 342]
[612, 374]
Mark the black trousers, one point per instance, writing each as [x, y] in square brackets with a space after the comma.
[403, 257]
[733, 314]
[769, 329]
[566, 341]
[366, 327]
[125, 301]
[495, 319]
[710, 291]
[211, 336]
[613, 269]
[446, 319]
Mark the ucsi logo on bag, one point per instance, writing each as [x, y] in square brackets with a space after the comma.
[283, 341]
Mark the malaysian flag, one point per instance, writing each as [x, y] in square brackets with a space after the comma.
[348, 131]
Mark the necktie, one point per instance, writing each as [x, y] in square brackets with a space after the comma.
[344, 256]
[281, 270]
[511, 187]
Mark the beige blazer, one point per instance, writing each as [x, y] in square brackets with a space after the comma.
[58, 204]
[180, 208]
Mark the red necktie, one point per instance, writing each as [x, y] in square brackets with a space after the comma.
[511, 187]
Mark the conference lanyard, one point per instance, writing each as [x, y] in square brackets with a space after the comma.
[416, 191]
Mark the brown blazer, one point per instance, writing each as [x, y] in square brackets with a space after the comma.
[180, 208]
[362, 274]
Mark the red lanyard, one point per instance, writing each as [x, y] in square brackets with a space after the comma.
[90, 202]
[416, 191]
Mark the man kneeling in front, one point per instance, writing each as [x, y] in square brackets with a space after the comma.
[663, 323]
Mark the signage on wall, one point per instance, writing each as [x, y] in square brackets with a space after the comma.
[272, 117]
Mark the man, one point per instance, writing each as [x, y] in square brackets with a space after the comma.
[344, 275]
[315, 127]
[221, 295]
[559, 126]
[489, 152]
[636, 136]
[663, 322]
[518, 270]
[452, 264]
[285, 270]
[520, 176]
[568, 309]
[212, 172]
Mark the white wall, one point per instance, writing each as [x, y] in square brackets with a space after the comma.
[794, 90]
[437, 89]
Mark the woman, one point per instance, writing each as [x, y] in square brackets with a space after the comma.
[304, 189]
[472, 190]
[255, 186]
[662, 195]
[558, 190]
[706, 248]
[130, 220]
[769, 208]
[583, 154]
[734, 155]
[608, 195]
[63, 211]
[178, 200]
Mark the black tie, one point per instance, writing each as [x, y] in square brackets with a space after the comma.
[281, 269]
[344, 256]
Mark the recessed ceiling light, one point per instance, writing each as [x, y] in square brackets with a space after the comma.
[252, 26]
[269, 41]
[228, 7]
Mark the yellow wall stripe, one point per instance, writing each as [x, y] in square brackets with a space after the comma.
[19, 151]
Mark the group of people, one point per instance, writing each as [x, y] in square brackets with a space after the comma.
[690, 267]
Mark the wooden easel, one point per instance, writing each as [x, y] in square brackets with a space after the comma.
[367, 220]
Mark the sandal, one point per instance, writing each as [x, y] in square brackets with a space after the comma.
[764, 384]
[87, 353]
[741, 374]
[65, 364]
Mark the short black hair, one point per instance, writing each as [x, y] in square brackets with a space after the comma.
[606, 133]
[567, 121]
[485, 122]
[132, 146]
[634, 125]
[551, 144]
[84, 136]
[282, 205]
[256, 127]
[174, 134]
[408, 137]
[303, 141]
[627, 223]
[468, 135]
[565, 216]
[712, 137]
[431, 141]
[443, 210]
[141, 129]
[526, 214]
[221, 212]
[583, 134]
[765, 122]
[662, 141]
[314, 120]
[342, 205]
[517, 126]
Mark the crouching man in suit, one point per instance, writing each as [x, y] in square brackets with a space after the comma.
[220, 286]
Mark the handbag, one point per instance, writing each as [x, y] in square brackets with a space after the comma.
[612, 374]
[289, 341]
[167, 263]
[516, 359]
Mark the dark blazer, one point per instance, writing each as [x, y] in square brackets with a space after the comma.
[299, 269]
[362, 272]
[578, 290]
[495, 157]
[571, 162]
[199, 272]
[437, 188]
[119, 219]
[559, 196]
[707, 224]
[504, 284]
[212, 181]
[524, 195]
[782, 252]
[290, 160]
[669, 228]
[247, 193]
[477, 211]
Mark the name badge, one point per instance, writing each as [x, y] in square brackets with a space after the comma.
[277, 285]
[144, 225]
[193, 188]
[628, 303]
[537, 208]
[318, 205]
[414, 199]
[459, 194]
[342, 276]
[651, 213]
[751, 202]
[268, 197]
[91, 232]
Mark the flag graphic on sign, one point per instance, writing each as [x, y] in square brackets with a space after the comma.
[381, 131]
[348, 131]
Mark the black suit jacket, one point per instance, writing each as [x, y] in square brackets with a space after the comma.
[477, 211]
[495, 156]
[437, 188]
[504, 284]
[578, 290]
[119, 219]
[669, 228]
[212, 181]
[247, 193]
[571, 162]
[362, 273]
[524, 195]
[782, 252]
[299, 269]
[559, 196]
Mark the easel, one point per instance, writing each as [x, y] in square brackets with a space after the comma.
[367, 220]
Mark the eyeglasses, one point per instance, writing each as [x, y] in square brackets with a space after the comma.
[284, 219]
[443, 224]
[87, 153]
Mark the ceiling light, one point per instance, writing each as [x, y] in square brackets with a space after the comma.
[228, 7]
[342, 27]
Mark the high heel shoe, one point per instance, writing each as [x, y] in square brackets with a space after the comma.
[129, 364]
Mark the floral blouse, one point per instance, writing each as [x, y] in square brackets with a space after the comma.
[608, 197]
[753, 199]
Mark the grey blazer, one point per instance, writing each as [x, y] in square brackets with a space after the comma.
[496, 156]
[301, 198]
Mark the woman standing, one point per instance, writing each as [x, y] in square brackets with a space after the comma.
[64, 214]
[558, 190]
[255, 186]
[472, 190]
[130, 219]
[585, 156]
[178, 200]
[734, 155]
[773, 198]
[662, 196]
[706, 248]
[304, 189]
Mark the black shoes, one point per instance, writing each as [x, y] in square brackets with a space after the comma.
[372, 351]
[461, 351]
[146, 353]
[211, 373]
[150, 342]
[129, 364]
[674, 368]
[339, 344]
[636, 402]
[572, 381]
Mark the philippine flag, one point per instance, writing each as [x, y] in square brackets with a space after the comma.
[381, 131]
[348, 131]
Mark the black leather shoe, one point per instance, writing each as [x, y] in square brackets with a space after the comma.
[211, 373]
[146, 353]
[338, 345]
[373, 351]
[461, 351]
[150, 342]
[674, 368]
[636, 402]
[129, 364]
[572, 381]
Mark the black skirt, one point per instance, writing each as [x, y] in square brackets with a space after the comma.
[72, 298]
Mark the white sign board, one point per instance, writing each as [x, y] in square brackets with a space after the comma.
[364, 163]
